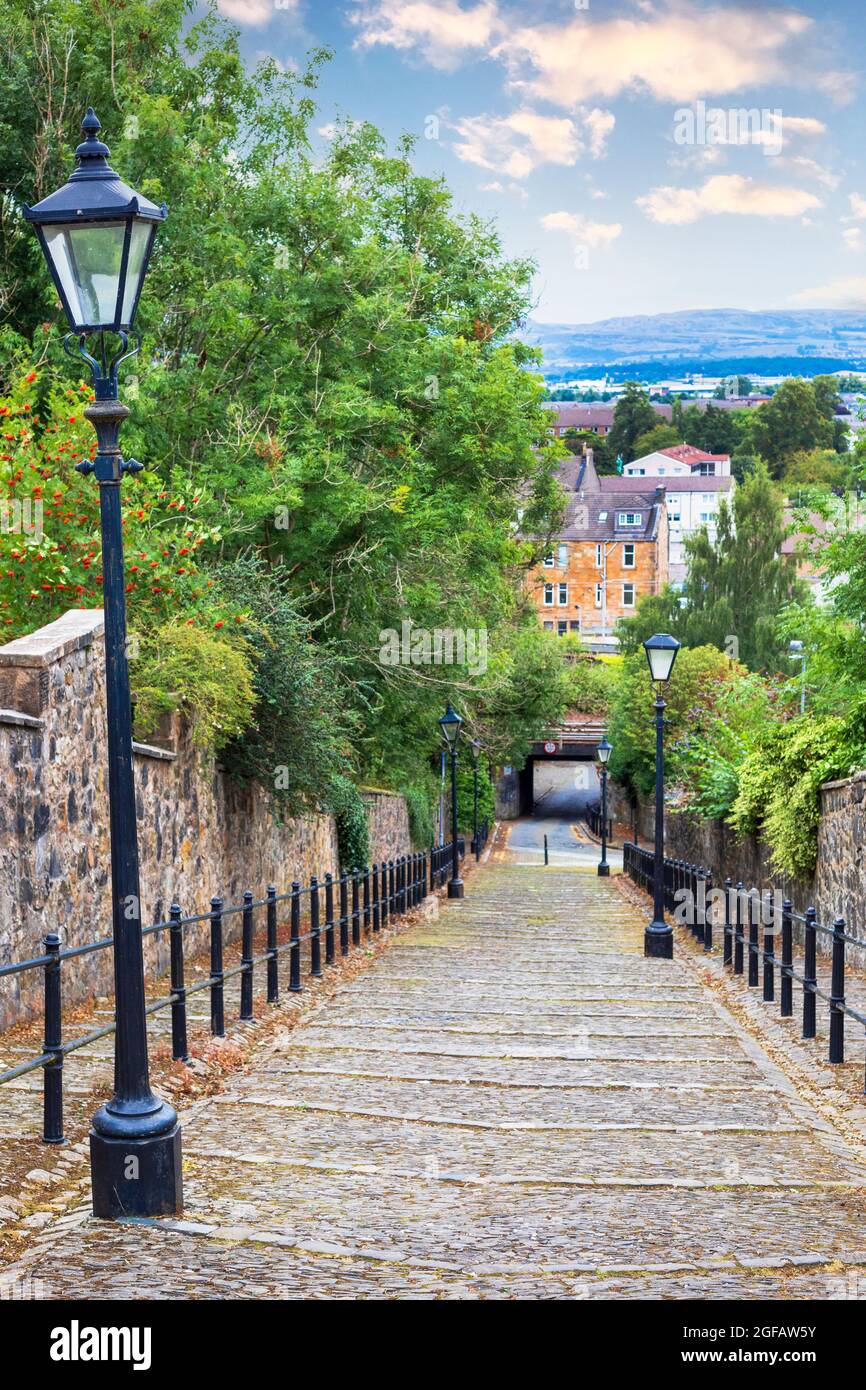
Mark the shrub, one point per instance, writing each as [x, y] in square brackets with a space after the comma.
[353, 834]
[182, 667]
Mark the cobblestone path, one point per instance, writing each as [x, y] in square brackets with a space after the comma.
[512, 1102]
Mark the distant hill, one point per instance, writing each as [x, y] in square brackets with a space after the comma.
[714, 341]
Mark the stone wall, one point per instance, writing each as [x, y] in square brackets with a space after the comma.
[836, 888]
[200, 833]
[388, 822]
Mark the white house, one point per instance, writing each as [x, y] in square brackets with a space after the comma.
[680, 461]
[692, 503]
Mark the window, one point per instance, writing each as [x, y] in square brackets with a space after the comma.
[661, 472]
[709, 499]
[628, 556]
[548, 561]
[707, 470]
[562, 597]
[548, 595]
[706, 516]
[602, 516]
[630, 518]
[562, 556]
[628, 596]
[574, 624]
[598, 557]
[598, 589]
[561, 628]
[548, 627]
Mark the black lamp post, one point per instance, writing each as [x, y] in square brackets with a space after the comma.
[604, 751]
[661, 652]
[450, 725]
[97, 235]
[475, 745]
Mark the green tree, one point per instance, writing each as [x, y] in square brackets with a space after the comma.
[661, 436]
[632, 417]
[795, 421]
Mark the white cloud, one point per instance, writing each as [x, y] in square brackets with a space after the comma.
[853, 238]
[516, 190]
[839, 294]
[580, 229]
[811, 169]
[676, 52]
[858, 208]
[517, 144]
[599, 125]
[725, 193]
[256, 12]
[441, 30]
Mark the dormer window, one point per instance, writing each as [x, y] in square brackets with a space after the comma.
[630, 519]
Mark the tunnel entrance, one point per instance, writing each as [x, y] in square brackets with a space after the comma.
[563, 786]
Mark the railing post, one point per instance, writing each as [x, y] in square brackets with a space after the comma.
[315, 931]
[753, 940]
[344, 913]
[179, 1049]
[273, 971]
[366, 899]
[809, 972]
[392, 897]
[52, 1072]
[738, 930]
[329, 919]
[786, 984]
[727, 947]
[769, 946]
[376, 914]
[708, 913]
[217, 989]
[837, 993]
[356, 911]
[295, 940]
[247, 958]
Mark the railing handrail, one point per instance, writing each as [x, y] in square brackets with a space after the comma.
[379, 893]
[746, 952]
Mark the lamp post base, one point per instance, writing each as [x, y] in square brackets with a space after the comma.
[658, 941]
[136, 1177]
[604, 871]
[455, 887]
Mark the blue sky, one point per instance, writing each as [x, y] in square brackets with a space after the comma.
[652, 155]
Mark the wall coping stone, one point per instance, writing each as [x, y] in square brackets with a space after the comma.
[844, 781]
[21, 720]
[77, 628]
[149, 750]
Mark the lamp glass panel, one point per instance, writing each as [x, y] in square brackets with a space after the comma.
[139, 242]
[87, 258]
[661, 659]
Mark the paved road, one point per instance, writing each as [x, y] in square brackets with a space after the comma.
[511, 1102]
[565, 848]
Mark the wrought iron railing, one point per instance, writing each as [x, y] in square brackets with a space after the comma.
[595, 822]
[757, 938]
[340, 913]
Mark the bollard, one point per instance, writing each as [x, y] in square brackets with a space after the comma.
[247, 958]
[295, 985]
[273, 971]
[217, 989]
[52, 1072]
[809, 973]
[315, 931]
[179, 1049]
[837, 993]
